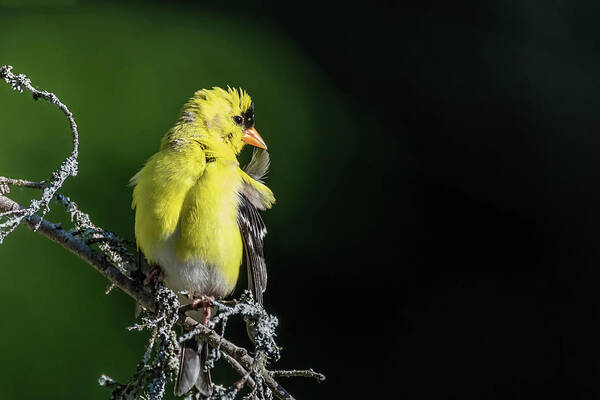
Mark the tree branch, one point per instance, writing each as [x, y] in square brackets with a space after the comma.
[66, 169]
[79, 247]
[307, 373]
[137, 291]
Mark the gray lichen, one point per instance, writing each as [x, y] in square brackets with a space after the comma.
[10, 220]
[115, 248]
[261, 327]
[160, 364]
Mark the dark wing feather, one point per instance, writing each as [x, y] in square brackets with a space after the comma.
[257, 169]
[253, 231]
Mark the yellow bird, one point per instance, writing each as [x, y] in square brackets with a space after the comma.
[196, 209]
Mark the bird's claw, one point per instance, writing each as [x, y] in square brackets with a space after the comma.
[156, 271]
[206, 303]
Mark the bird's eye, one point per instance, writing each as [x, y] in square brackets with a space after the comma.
[238, 120]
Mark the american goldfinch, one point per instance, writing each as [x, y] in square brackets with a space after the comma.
[196, 210]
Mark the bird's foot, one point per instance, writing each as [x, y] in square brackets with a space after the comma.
[206, 303]
[156, 271]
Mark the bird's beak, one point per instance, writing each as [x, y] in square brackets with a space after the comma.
[252, 137]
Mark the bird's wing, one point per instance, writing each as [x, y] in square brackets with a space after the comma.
[253, 231]
[253, 188]
[255, 196]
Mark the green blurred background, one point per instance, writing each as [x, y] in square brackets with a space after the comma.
[125, 71]
[435, 164]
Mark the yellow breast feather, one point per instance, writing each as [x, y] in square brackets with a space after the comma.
[160, 190]
[208, 223]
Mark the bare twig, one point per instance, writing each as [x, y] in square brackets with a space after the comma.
[239, 369]
[77, 246]
[67, 168]
[21, 183]
[306, 373]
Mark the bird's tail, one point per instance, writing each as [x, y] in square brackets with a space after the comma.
[204, 383]
[192, 358]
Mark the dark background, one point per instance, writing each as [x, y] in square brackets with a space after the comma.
[435, 165]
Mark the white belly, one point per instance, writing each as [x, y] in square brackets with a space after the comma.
[192, 276]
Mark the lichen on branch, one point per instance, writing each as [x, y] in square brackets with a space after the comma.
[10, 220]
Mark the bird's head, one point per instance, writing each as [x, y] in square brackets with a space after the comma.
[224, 117]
